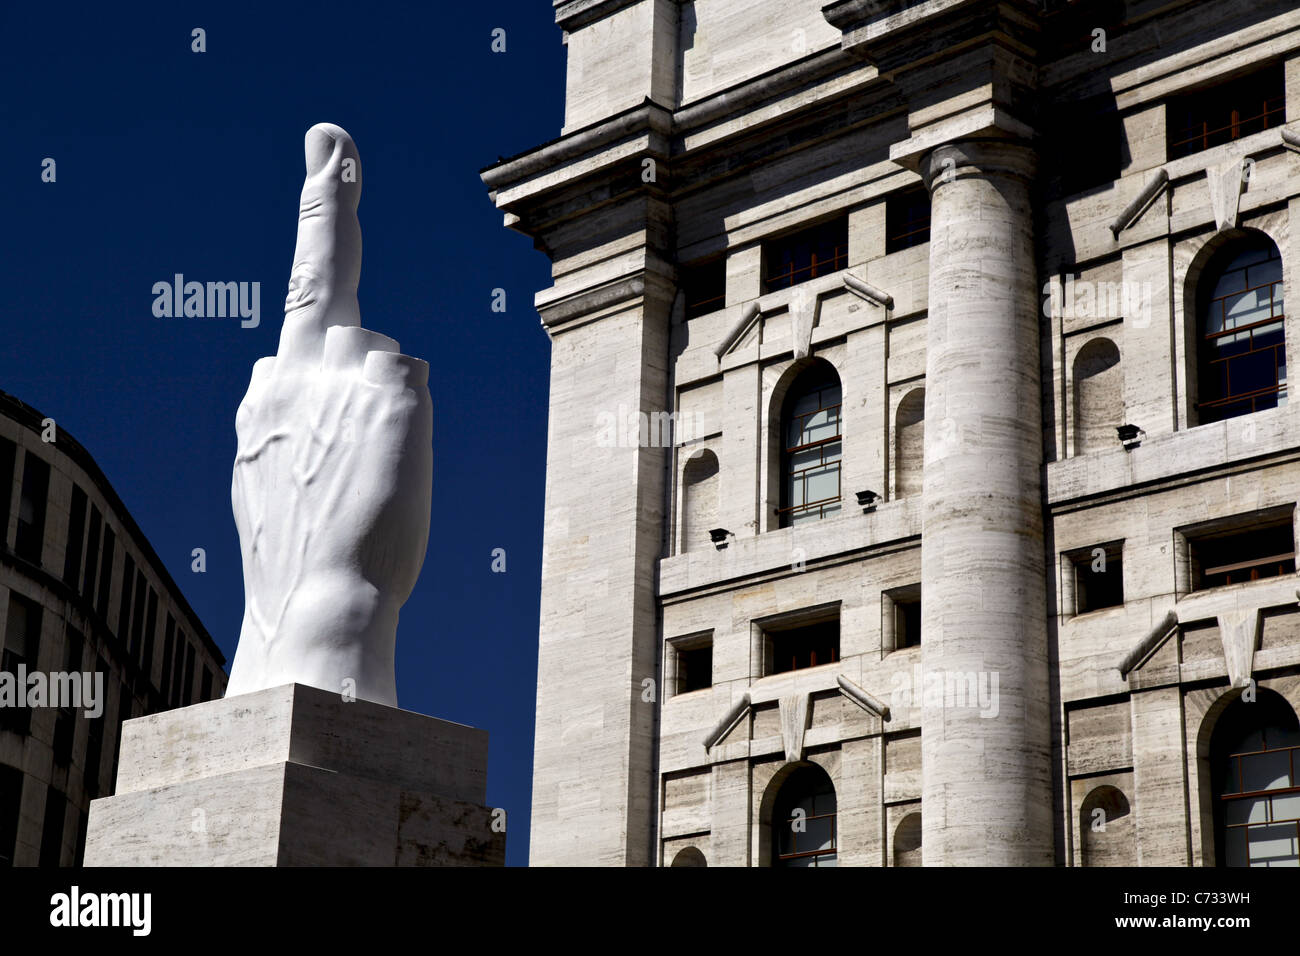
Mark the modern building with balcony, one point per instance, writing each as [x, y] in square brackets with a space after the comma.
[83, 593]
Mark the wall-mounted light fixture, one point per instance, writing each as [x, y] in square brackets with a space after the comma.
[1128, 436]
[719, 536]
[867, 499]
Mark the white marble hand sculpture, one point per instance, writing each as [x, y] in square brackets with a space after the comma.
[334, 468]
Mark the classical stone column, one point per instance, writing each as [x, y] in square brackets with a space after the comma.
[985, 745]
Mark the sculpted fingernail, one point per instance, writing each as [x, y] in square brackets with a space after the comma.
[319, 146]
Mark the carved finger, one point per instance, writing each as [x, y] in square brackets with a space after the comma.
[327, 258]
[393, 368]
[346, 346]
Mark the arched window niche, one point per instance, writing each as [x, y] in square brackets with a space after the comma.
[907, 841]
[700, 481]
[807, 445]
[803, 826]
[1098, 396]
[1254, 792]
[1237, 347]
[909, 443]
[689, 856]
[1106, 828]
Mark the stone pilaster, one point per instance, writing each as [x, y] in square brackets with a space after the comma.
[609, 440]
[986, 771]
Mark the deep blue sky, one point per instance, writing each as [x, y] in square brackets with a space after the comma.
[171, 161]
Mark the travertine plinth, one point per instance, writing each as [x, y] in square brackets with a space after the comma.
[294, 776]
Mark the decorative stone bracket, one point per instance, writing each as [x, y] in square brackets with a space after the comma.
[1226, 182]
[794, 721]
[865, 290]
[1140, 203]
[1238, 615]
[860, 697]
[728, 721]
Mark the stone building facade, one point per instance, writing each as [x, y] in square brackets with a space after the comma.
[82, 592]
[921, 481]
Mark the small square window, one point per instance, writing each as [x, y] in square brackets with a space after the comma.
[799, 641]
[903, 609]
[1211, 116]
[688, 664]
[694, 668]
[704, 286]
[800, 256]
[907, 219]
[1098, 577]
[1251, 548]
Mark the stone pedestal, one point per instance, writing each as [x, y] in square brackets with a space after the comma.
[296, 776]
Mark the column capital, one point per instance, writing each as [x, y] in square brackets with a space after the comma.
[977, 157]
[985, 123]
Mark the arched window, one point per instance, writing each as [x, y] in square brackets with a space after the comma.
[812, 445]
[690, 856]
[907, 841]
[699, 500]
[909, 443]
[1098, 396]
[1106, 828]
[1241, 346]
[1255, 755]
[803, 819]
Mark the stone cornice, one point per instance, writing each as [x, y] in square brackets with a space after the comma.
[587, 305]
[649, 116]
[652, 130]
[898, 35]
[573, 15]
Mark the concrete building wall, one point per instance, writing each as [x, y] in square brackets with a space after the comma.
[1054, 301]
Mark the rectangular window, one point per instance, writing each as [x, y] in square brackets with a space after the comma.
[187, 688]
[907, 218]
[704, 286]
[11, 799]
[74, 650]
[169, 649]
[65, 724]
[1200, 119]
[178, 666]
[80, 859]
[1241, 552]
[31, 508]
[124, 611]
[22, 646]
[56, 808]
[23, 630]
[94, 749]
[798, 257]
[137, 616]
[902, 617]
[8, 454]
[692, 663]
[105, 569]
[92, 555]
[205, 685]
[76, 536]
[150, 633]
[807, 639]
[1098, 577]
